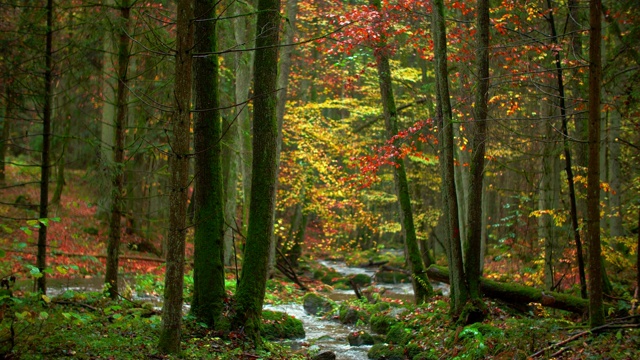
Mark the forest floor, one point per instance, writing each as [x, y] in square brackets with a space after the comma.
[86, 325]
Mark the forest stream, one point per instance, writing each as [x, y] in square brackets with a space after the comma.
[321, 334]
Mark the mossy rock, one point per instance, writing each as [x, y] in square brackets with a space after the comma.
[398, 334]
[361, 279]
[331, 278]
[392, 277]
[412, 350]
[315, 304]
[278, 325]
[348, 314]
[380, 324]
[387, 352]
[360, 338]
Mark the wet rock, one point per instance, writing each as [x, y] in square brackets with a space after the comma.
[359, 338]
[361, 279]
[348, 315]
[315, 304]
[278, 325]
[325, 355]
[380, 324]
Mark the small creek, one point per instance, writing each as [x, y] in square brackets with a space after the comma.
[321, 334]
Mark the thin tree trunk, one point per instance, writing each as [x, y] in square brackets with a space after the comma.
[596, 313]
[6, 134]
[459, 290]
[117, 171]
[251, 290]
[169, 341]
[283, 82]
[41, 258]
[208, 273]
[421, 285]
[243, 68]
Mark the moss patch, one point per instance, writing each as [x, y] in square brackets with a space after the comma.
[278, 325]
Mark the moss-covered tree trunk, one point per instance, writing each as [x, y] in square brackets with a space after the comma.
[478, 146]
[251, 290]
[169, 341]
[41, 259]
[208, 271]
[459, 290]
[117, 170]
[421, 285]
[596, 313]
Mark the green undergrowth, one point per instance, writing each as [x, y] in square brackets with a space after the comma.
[91, 326]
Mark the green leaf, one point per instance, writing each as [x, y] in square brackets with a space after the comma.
[2, 253]
[26, 230]
[44, 221]
[55, 219]
[44, 315]
[21, 245]
[32, 222]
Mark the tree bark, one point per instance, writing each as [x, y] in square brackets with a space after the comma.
[208, 272]
[459, 290]
[478, 146]
[41, 258]
[6, 133]
[117, 170]
[169, 341]
[251, 290]
[596, 313]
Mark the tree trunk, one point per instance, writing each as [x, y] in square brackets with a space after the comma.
[117, 170]
[107, 130]
[243, 68]
[41, 258]
[6, 133]
[478, 146]
[208, 271]
[283, 81]
[421, 286]
[169, 341]
[567, 156]
[596, 313]
[548, 193]
[251, 290]
[459, 290]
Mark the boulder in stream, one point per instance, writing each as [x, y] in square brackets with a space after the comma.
[315, 304]
[359, 338]
[278, 325]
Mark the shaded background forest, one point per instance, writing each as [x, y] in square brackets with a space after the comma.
[335, 185]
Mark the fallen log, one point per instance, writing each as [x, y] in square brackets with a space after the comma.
[518, 294]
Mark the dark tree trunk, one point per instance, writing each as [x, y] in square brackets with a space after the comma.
[596, 313]
[567, 158]
[478, 145]
[117, 171]
[6, 133]
[179, 167]
[251, 290]
[46, 140]
[459, 290]
[208, 277]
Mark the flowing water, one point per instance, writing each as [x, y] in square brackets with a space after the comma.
[321, 334]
